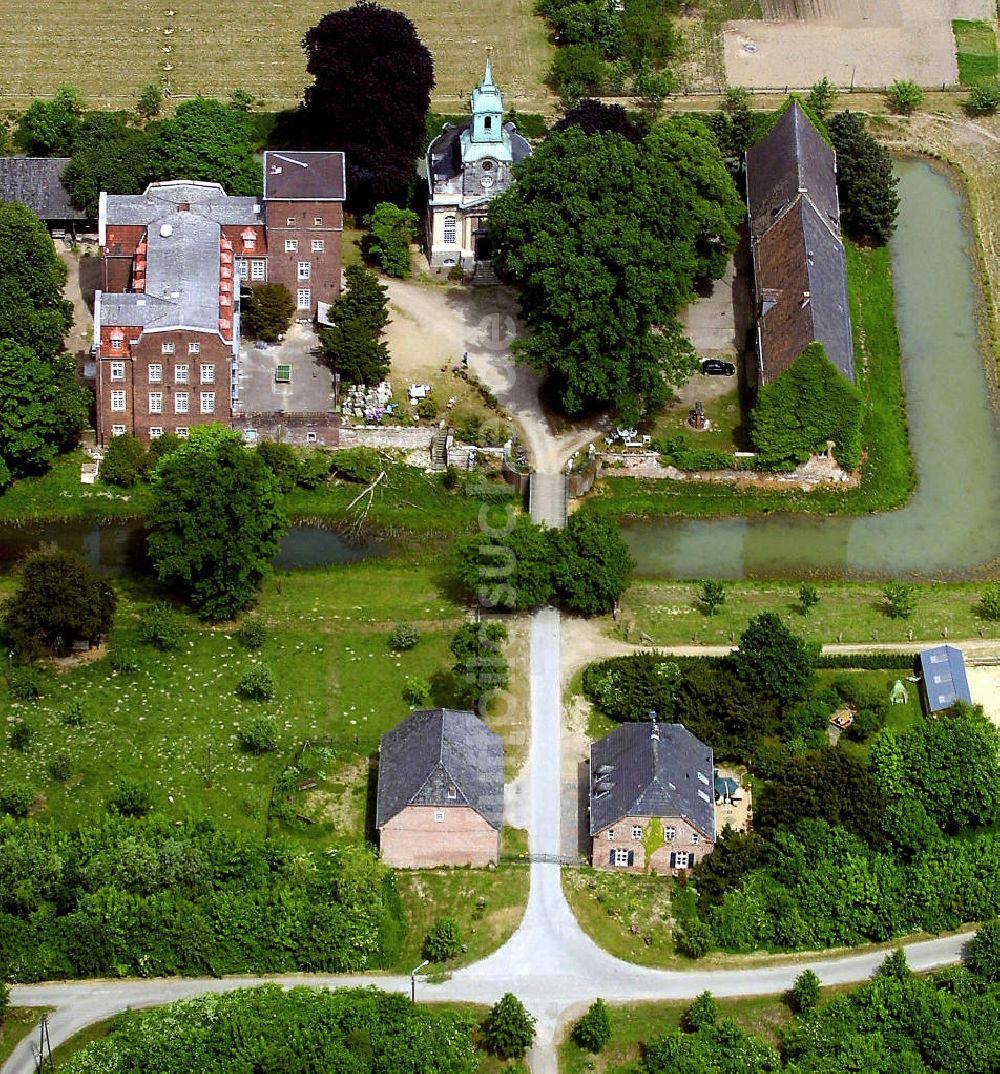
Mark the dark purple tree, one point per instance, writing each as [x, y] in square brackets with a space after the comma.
[373, 81]
[596, 117]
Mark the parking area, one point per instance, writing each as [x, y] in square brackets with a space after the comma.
[302, 384]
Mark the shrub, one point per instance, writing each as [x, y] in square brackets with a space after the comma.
[989, 606]
[61, 766]
[416, 692]
[403, 637]
[4, 1000]
[25, 682]
[123, 659]
[130, 798]
[443, 940]
[713, 595]
[629, 687]
[703, 1012]
[267, 312]
[163, 445]
[808, 597]
[391, 230]
[983, 953]
[593, 1031]
[252, 633]
[256, 683]
[258, 735]
[20, 736]
[427, 408]
[509, 1030]
[282, 460]
[314, 468]
[126, 461]
[822, 97]
[16, 798]
[983, 100]
[73, 714]
[905, 96]
[901, 599]
[804, 994]
[356, 464]
[162, 627]
[693, 938]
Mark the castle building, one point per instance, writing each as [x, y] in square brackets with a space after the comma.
[467, 166]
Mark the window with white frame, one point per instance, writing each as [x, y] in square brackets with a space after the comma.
[194, 348]
[304, 300]
[117, 370]
[156, 402]
[318, 245]
[182, 432]
[290, 221]
[439, 816]
[208, 402]
[449, 229]
[291, 245]
[244, 270]
[636, 831]
[155, 372]
[695, 839]
[305, 270]
[621, 856]
[258, 268]
[118, 401]
[317, 221]
[155, 431]
[682, 859]
[669, 833]
[181, 403]
[611, 835]
[181, 373]
[118, 430]
[208, 374]
[167, 348]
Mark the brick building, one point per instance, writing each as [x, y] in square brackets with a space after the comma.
[651, 791]
[440, 791]
[173, 263]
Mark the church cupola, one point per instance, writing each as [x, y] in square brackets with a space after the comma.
[487, 108]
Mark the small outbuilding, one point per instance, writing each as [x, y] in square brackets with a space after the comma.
[37, 183]
[440, 791]
[652, 799]
[943, 678]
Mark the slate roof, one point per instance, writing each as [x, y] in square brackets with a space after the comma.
[791, 159]
[802, 281]
[435, 750]
[162, 199]
[444, 154]
[647, 770]
[945, 681]
[294, 176]
[37, 183]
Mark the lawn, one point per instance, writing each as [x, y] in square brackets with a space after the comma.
[671, 613]
[887, 472]
[727, 426]
[16, 1025]
[173, 721]
[213, 48]
[976, 49]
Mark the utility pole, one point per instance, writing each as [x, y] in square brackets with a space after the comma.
[44, 1046]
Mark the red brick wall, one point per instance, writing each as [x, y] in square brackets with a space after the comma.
[137, 385]
[602, 845]
[413, 839]
[324, 267]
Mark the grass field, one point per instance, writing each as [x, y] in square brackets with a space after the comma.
[112, 49]
[172, 722]
[671, 612]
[976, 49]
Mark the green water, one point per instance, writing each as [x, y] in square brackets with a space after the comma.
[952, 523]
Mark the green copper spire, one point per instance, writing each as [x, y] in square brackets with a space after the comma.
[487, 108]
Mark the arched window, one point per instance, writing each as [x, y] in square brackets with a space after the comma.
[449, 230]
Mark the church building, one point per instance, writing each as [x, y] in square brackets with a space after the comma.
[468, 165]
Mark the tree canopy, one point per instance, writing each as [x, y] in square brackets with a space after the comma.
[869, 203]
[58, 601]
[591, 563]
[607, 239]
[808, 404]
[596, 117]
[215, 521]
[108, 155]
[372, 89]
[391, 230]
[773, 660]
[354, 346]
[267, 312]
[50, 128]
[206, 140]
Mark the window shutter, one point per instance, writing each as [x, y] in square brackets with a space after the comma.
[673, 861]
[611, 860]
[631, 857]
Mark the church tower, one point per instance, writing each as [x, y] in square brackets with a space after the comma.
[487, 110]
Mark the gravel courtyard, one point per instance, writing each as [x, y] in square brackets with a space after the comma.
[867, 43]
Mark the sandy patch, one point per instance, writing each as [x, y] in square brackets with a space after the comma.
[984, 685]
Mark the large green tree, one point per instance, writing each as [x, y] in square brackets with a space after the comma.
[215, 522]
[480, 667]
[591, 564]
[50, 128]
[108, 155]
[354, 346]
[209, 141]
[869, 203]
[33, 311]
[607, 239]
[507, 566]
[58, 601]
[807, 405]
[373, 81]
[774, 661]
[42, 409]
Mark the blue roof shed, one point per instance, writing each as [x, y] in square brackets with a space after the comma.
[944, 679]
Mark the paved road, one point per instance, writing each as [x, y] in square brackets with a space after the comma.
[550, 963]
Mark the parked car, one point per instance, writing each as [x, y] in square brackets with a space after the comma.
[714, 367]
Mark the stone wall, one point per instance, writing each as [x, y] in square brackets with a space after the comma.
[815, 473]
[300, 430]
[396, 437]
